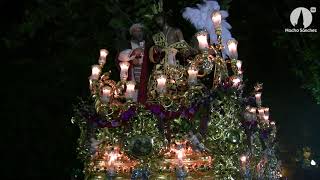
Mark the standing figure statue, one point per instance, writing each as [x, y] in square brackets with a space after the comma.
[167, 42]
[137, 56]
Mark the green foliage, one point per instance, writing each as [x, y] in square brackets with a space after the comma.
[226, 136]
[304, 58]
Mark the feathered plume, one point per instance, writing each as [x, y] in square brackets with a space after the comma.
[200, 17]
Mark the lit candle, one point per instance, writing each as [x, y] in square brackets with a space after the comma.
[161, 84]
[193, 72]
[124, 66]
[239, 64]
[216, 18]
[202, 37]
[130, 89]
[106, 93]
[261, 112]
[232, 47]
[96, 70]
[103, 53]
[258, 98]
[253, 110]
[236, 81]
[243, 159]
[266, 111]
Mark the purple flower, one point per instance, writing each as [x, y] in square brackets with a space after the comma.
[115, 123]
[155, 109]
[128, 114]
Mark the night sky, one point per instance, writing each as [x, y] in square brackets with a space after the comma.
[40, 88]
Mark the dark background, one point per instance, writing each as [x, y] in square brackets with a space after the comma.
[46, 65]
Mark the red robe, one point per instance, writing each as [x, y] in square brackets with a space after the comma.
[144, 77]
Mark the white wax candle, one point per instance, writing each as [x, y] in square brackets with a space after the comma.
[193, 72]
[106, 91]
[130, 89]
[124, 66]
[258, 98]
[239, 64]
[253, 110]
[96, 70]
[202, 38]
[216, 18]
[236, 81]
[103, 53]
[232, 47]
[161, 83]
[261, 112]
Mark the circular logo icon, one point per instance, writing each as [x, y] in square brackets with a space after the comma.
[300, 16]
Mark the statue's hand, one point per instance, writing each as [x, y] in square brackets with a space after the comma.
[138, 52]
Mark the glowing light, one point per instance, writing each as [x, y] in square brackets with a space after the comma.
[216, 18]
[202, 38]
[232, 47]
[239, 64]
[243, 159]
[103, 53]
[313, 163]
[236, 81]
[96, 70]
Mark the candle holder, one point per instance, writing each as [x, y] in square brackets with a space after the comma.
[202, 37]
[161, 84]
[96, 71]
[106, 94]
[192, 78]
[130, 91]
[216, 19]
[232, 47]
[258, 99]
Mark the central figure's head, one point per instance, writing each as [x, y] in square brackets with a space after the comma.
[136, 31]
[160, 20]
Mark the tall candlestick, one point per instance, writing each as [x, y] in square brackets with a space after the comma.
[202, 38]
[216, 19]
[258, 98]
[161, 87]
[124, 66]
[232, 47]
[130, 89]
[193, 72]
[96, 70]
